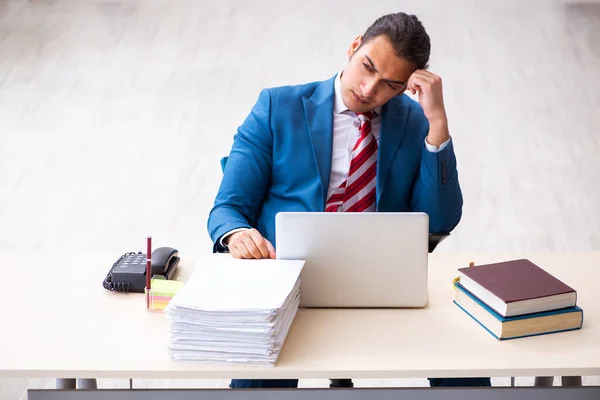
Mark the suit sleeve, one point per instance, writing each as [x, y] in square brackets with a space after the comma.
[246, 174]
[437, 190]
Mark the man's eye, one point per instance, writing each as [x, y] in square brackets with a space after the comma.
[391, 86]
[368, 68]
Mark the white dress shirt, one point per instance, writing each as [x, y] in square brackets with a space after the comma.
[345, 135]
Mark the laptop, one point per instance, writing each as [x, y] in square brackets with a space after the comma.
[356, 260]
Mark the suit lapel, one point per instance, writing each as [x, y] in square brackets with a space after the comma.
[318, 110]
[392, 131]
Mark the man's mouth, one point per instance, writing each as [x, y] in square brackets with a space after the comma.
[360, 99]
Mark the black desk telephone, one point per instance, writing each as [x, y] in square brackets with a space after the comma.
[128, 273]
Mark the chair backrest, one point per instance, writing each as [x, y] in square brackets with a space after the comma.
[223, 163]
[434, 238]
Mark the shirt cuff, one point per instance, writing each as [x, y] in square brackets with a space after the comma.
[231, 232]
[433, 149]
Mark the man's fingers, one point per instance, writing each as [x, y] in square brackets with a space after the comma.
[271, 249]
[250, 244]
[409, 84]
[421, 85]
[414, 84]
[414, 88]
[419, 81]
[234, 252]
[242, 250]
[422, 79]
[261, 243]
[426, 79]
[251, 247]
[421, 73]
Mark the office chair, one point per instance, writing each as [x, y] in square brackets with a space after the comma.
[434, 240]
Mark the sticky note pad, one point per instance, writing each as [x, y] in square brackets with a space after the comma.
[162, 291]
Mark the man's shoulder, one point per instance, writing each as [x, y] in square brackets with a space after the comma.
[293, 94]
[294, 91]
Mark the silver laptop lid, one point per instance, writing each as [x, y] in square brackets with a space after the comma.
[357, 259]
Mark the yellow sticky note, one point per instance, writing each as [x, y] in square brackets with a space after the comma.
[166, 286]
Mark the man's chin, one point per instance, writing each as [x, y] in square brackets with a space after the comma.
[361, 108]
[357, 106]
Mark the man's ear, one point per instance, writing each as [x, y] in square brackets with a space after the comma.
[354, 46]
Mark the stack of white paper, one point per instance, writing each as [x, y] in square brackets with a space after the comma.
[234, 311]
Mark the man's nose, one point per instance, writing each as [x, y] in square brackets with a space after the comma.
[368, 88]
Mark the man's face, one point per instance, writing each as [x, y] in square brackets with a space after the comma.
[374, 74]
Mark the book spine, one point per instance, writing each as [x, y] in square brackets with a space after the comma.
[476, 320]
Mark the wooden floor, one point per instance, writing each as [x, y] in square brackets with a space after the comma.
[114, 114]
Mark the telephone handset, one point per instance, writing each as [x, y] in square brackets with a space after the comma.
[128, 273]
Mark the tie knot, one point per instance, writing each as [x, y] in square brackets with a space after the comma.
[366, 116]
[362, 118]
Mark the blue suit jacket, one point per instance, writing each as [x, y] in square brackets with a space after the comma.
[281, 161]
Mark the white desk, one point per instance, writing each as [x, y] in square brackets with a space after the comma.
[58, 321]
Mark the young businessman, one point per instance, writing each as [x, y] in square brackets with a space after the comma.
[352, 143]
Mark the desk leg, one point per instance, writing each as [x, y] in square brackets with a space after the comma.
[70, 383]
[87, 384]
[543, 381]
[62, 383]
[571, 381]
[341, 383]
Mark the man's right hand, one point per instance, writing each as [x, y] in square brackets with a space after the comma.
[249, 244]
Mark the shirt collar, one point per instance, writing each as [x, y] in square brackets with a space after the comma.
[338, 106]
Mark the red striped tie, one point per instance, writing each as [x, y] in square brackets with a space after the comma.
[357, 192]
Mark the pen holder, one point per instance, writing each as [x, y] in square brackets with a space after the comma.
[160, 293]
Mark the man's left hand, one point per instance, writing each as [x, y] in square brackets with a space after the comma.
[431, 98]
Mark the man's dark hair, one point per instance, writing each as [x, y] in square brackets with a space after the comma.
[406, 35]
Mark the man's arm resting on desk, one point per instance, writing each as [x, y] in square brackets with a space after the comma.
[246, 176]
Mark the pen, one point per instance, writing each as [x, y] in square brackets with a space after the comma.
[148, 270]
